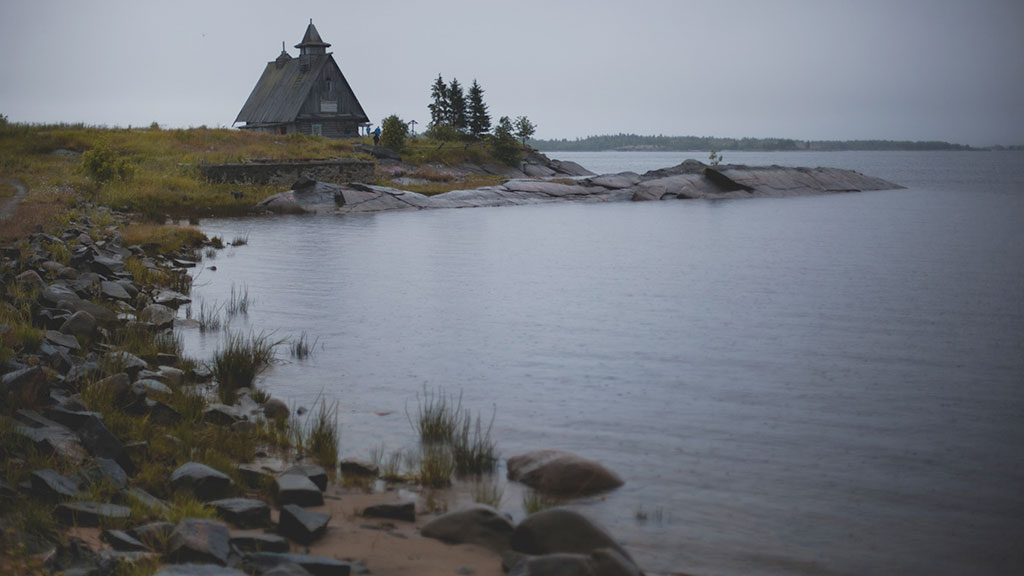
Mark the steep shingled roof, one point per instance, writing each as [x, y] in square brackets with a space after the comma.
[282, 89]
[286, 84]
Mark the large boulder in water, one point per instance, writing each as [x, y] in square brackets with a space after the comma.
[558, 472]
[559, 530]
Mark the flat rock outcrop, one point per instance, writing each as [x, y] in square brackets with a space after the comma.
[687, 181]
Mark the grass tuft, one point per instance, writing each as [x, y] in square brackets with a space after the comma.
[473, 448]
[488, 491]
[239, 301]
[301, 348]
[436, 466]
[240, 360]
[437, 415]
[320, 436]
[209, 317]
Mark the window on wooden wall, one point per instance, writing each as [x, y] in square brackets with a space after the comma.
[318, 129]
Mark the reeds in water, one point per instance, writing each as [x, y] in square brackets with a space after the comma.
[240, 360]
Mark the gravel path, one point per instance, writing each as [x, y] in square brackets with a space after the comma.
[7, 205]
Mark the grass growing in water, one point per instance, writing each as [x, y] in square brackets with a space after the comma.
[320, 435]
[438, 415]
[473, 449]
[209, 317]
[239, 301]
[301, 348]
[488, 491]
[436, 466]
[240, 360]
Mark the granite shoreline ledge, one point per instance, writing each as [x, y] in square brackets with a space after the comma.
[687, 181]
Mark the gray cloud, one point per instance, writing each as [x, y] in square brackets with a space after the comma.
[898, 69]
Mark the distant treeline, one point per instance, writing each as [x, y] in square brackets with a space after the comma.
[689, 143]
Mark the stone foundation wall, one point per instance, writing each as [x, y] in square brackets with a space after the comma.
[340, 171]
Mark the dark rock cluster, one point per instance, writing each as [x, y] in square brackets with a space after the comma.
[75, 290]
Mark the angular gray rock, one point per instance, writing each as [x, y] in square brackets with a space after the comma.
[25, 387]
[297, 489]
[243, 512]
[405, 511]
[477, 524]
[255, 476]
[90, 513]
[303, 526]
[312, 471]
[171, 298]
[198, 570]
[106, 471]
[560, 472]
[55, 440]
[79, 324]
[114, 291]
[98, 439]
[30, 278]
[153, 534]
[161, 413]
[199, 541]
[126, 361]
[261, 562]
[158, 315]
[102, 314]
[259, 543]
[145, 498]
[61, 339]
[120, 540]
[558, 530]
[147, 385]
[203, 481]
[107, 264]
[50, 485]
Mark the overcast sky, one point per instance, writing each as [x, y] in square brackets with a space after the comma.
[814, 69]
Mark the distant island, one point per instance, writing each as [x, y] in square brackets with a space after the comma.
[635, 142]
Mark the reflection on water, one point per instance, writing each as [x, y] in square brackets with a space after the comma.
[806, 385]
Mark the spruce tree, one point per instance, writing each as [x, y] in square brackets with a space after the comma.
[440, 108]
[479, 119]
[457, 107]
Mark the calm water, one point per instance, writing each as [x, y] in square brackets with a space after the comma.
[821, 385]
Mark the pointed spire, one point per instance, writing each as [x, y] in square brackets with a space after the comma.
[311, 42]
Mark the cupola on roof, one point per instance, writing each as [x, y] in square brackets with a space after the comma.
[311, 41]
